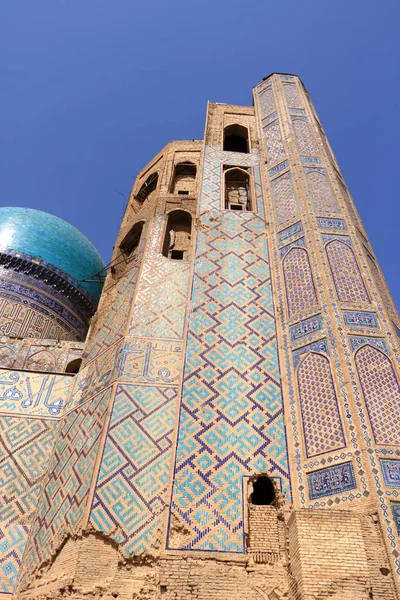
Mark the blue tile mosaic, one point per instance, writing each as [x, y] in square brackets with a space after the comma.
[305, 327]
[354, 318]
[332, 480]
[391, 472]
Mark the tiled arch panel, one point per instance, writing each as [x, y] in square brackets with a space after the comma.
[381, 393]
[299, 283]
[346, 274]
[322, 425]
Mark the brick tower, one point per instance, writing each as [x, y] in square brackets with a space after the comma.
[234, 430]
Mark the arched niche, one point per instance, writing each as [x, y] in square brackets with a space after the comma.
[178, 235]
[237, 189]
[236, 139]
[184, 179]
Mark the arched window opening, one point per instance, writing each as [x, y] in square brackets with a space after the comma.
[73, 366]
[237, 190]
[130, 243]
[236, 139]
[263, 491]
[149, 186]
[184, 180]
[178, 234]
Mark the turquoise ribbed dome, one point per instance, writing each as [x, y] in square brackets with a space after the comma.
[52, 240]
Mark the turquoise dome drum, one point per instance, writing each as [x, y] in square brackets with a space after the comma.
[49, 286]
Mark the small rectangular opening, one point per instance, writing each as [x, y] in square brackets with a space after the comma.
[235, 207]
[183, 192]
[177, 254]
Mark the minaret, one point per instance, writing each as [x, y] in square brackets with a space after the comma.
[234, 429]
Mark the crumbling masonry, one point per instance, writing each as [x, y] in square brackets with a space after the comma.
[234, 429]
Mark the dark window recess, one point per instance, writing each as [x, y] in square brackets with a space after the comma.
[184, 179]
[183, 192]
[131, 241]
[263, 491]
[237, 189]
[73, 366]
[236, 139]
[149, 186]
[178, 234]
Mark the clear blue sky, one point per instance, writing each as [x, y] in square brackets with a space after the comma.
[92, 89]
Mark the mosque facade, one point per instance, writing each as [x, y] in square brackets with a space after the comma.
[221, 419]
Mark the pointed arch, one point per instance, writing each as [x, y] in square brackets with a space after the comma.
[237, 189]
[381, 393]
[184, 179]
[346, 274]
[178, 235]
[236, 139]
[299, 282]
[322, 423]
[148, 187]
[324, 200]
[304, 137]
[43, 360]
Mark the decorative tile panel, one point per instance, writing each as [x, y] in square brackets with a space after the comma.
[346, 274]
[304, 137]
[381, 393]
[70, 474]
[299, 283]
[231, 400]
[292, 97]
[391, 472]
[133, 480]
[33, 394]
[286, 234]
[281, 167]
[324, 200]
[25, 449]
[322, 424]
[267, 101]
[354, 318]
[321, 346]
[275, 149]
[311, 160]
[299, 330]
[356, 341]
[284, 199]
[396, 515]
[332, 480]
[325, 223]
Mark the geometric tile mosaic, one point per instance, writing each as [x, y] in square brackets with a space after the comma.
[25, 449]
[160, 313]
[231, 421]
[211, 191]
[267, 101]
[136, 465]
[381, 393]
[275, 149]
[112, 329]
[292, 97]
[332, 480]
[322, 194]
[299, 284]
[346, 275]
[322, 424]
[69, 476]
[289, 232]
[284, 199]
[304, 137]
